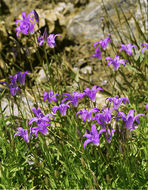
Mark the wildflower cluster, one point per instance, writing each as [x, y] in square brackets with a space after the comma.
[107, 121]
[42, 121]
[50, 39]
[27, 24]
[104, 118]
[13, 86]
[102, 46]
[116, 62]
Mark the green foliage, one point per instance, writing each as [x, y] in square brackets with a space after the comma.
[58, 161]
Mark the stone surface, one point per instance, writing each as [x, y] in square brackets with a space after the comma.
[41, 76]
[88, 22]
[87, 69]
[5, 103]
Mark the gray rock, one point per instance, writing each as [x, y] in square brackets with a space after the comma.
[87, 69]
[6, 106]
[87, 23]
[41, 76]
[144, 8]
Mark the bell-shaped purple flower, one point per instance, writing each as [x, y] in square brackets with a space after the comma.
[116, 62]
[26, 25]
[62, 108]
[127, 48]
[92, 137]
[40, 117]
[98, 53]
[42, 128]
[87, 114]
[117, 102]
[41, 39]
[146, 46]
[21, 77]
[104, 117]
[131, 121]
[92, 93]
[23, 133]
[49, 96]
[103, 43]
[13, 85]
[51, 40]
[109, 133]
[74, 98]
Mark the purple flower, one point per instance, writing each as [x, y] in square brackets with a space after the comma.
[87, 114]
[40, 117]
[146, 107]
[116, 62]
[117, 102]
[40, 128]
[50, 96]
[146, 46]
[21, 77]
[43, 38]
[104, 117]
[98, 53]
[127, 48]
[92, 93]
[130, 121]
[40, 40]
[109, 133]
[92, 137]
[74, 98]
[51, 40]
[26, 25]
[62, 108]
[12, 86]
[107, 113]
[23, 133]
[104, 42]
[13, 82]
[36, 16]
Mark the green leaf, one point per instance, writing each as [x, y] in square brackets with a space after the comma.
[130, 67]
